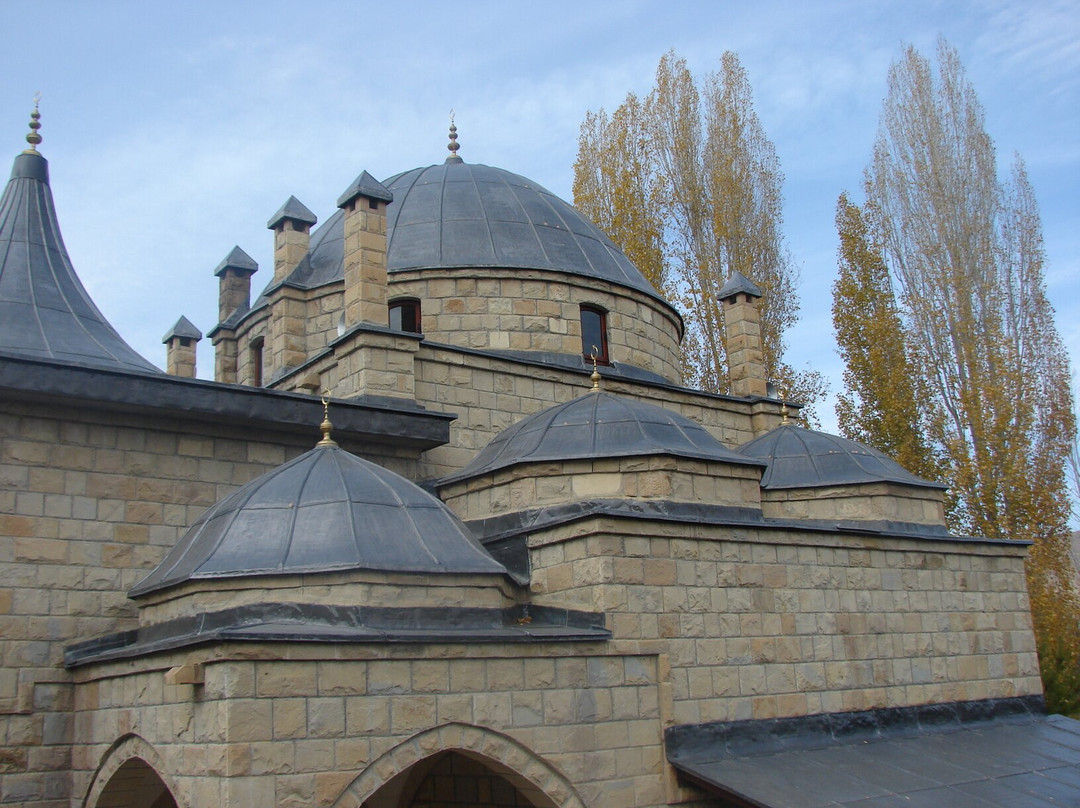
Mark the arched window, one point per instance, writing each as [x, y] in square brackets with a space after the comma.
[257, 362]
[594, 334]
[405, 315]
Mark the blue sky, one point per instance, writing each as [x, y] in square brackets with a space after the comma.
[175, 130]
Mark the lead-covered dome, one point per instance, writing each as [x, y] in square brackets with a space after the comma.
[462, 215]
[326, 510]
[804, 458]
[598, 425]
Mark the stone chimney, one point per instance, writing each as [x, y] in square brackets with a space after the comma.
[234, 295]
[742, 326]
[234, 289]
[292, 236]
[180, 342]
[365, 204]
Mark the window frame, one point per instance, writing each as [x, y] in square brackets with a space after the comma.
[257, 353]
[400, 305]
[602, 357]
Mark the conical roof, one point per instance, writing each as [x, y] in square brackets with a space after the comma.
[45, 313]
[804, 458]
[326, 510]
[599, 424]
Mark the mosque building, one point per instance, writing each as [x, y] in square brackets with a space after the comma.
[447, 530]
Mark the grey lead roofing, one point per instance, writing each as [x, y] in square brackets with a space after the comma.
[463, 215]
[45, 312]
[599, 424]
[326, 510]
[919, 757]
[805, 458]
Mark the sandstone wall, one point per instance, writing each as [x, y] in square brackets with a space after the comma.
[89, 503]
[764, 624]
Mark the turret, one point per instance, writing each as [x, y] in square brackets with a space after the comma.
[292, 235]
[234, 298]
[742, 325]
[234, 289]
[180, 342]
[47, 314]
[364, 203]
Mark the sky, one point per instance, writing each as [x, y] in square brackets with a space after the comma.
[175, 130]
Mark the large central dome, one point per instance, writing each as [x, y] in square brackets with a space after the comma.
[461, 215]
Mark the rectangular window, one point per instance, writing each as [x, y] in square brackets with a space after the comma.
[257, 362]
[405, 316]
[594, 334]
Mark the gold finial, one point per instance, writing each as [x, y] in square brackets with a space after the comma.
[595, 355]
[453, 146]
[32, 137]
[326, 426]
[784, 412]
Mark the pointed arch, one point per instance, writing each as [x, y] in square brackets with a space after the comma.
[408, 762]
[132, 772]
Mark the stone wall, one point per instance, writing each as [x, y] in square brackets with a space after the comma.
[490, 308]
[762, 624]
[89, 504]
[538, 485]
[489, 394]
[305, 725]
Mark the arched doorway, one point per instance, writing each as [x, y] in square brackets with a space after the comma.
[452, 780]
[135, 785]
[458, 765]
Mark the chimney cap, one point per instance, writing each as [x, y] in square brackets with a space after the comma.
[295, 210]
[239, 260]
[739, 284]
[184, 328]
[365, 185]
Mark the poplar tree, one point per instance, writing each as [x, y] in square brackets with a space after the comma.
[965, 252]
[880, 404]
[695, 154]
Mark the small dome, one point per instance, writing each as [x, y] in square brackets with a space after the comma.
[463, 215]
[598, 424]
[804, 458]
[326, 510]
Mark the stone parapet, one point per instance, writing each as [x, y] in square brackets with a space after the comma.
[761, 623]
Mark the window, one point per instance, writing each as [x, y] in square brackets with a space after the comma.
[405, 315]
[257, 362]
[594, 334]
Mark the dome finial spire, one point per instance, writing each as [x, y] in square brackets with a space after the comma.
[32, 137]
[326, 426]
[453, 145]
[595, 377]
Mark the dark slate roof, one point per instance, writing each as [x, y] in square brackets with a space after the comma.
[325, 510]
[805, 458]
[365, 185]
[236, 259]
[292, 209]
[183, 328]
[598, 424]
[739, 283]
[45, 312]
[915, 757]
[463, 215]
